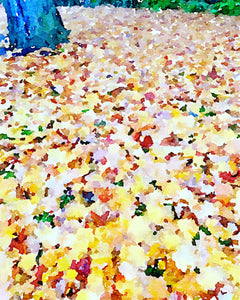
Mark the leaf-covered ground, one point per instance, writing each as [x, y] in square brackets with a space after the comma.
[119, 171]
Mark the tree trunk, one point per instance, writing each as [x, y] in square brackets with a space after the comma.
[34, 24]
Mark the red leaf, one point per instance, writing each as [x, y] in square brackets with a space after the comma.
[213, 74]
[99, 220]
[103, 161]
[82, 266]
[227, 176]
[170, 141]
[40, 270]
[136, 136]
[147, 142]
[168, 63]
[106, 196]
[117, 117]
[19, 243]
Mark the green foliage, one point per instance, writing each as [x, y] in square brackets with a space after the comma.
[194, 6]
[227, 7]
[163, 4]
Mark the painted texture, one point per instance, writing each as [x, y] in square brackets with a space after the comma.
[119, 160]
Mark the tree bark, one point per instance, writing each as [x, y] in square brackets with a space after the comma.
[34, 24]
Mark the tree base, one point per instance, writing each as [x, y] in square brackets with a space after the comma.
[34, 24]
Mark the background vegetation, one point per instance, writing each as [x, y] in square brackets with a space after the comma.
[227, 7]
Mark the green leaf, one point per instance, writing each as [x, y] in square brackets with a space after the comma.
[184, 108]
[138, 213]
[233, 127]
[154, 271]
[44, 217]
[26, 132]
[40, 253]
[181, 74]
[9, 174]
[65, 200]
[205, 230]
[55, 93]
[40, 128]
[145, 150]
[119, 183]
[30, 73]
[196, 237]
[227, 242]
[157, 272]
[202, 109]
[148, 271]
[130, 131]
[85, 110]
[102, 123]
[142, 207]
[4, 136]
[214, 95]
[154, 182]
[211, 114]
[197, 270]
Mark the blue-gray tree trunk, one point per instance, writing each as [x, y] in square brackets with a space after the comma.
[34, 24]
